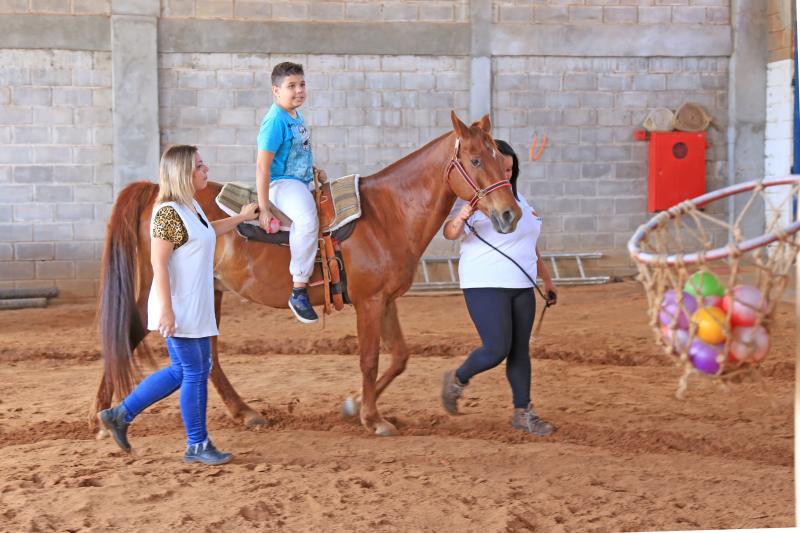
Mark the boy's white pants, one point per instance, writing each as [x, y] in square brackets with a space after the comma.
[294, 198]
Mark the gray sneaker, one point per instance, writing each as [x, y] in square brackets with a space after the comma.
[114, 421]
[206, 453]
[452, 390]
[530, 422]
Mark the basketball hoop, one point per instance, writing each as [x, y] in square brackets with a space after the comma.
[713, 287]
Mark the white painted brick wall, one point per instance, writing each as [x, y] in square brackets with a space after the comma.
[55, 166]
[56, 7]
[365, 112]
[612, 11]
[318, 10]
[778, 143]
[591, 181]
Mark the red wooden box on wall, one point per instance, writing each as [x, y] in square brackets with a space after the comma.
[677, 167]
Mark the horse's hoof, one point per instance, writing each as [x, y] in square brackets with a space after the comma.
[385, 429]
[351, 407]
[102, 433]
[253, 419]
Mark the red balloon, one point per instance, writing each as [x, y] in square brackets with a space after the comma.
[747, 302]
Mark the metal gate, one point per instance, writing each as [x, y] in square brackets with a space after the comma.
[431, 281]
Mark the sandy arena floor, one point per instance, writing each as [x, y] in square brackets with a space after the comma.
[627, 455]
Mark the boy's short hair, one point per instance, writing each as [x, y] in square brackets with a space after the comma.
[287, 68]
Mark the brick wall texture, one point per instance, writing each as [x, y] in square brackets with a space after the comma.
[365, 111]
[299, 10]
[319, 10]
[612, 11]
[780, 30]
[590, 184]
[55, 167]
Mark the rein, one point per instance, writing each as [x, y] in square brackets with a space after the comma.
[480, 194]
[549, 300]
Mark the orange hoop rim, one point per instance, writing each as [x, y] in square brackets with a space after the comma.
[702, 201]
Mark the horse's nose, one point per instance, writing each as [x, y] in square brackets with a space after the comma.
[507, 217]
[503, 222]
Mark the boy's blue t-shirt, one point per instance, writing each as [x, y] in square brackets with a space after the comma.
[290, 141]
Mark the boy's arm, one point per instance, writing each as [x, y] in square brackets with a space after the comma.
[263, 162]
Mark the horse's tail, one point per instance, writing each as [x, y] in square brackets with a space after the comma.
[121, 325]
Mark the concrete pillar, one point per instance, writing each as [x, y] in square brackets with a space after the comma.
[480, 87]
[134, 49]
[747, 107]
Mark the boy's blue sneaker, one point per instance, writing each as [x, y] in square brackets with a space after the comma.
[301, 307]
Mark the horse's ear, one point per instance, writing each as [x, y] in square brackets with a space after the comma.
[485, 123]
[459, 127]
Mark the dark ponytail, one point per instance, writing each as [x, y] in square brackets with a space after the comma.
[506, 149]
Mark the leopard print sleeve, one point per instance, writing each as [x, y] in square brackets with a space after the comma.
[167, 225]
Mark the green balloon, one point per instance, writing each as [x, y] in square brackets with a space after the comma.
[704, 284]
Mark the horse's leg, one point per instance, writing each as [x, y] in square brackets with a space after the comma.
[393, 338]
[237, 408]
[369, 317]
[102, 400]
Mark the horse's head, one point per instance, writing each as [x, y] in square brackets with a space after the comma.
[476, 174]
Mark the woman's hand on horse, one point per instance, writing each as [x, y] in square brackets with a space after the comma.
[249, 211]
[166, 324]
[466, 212]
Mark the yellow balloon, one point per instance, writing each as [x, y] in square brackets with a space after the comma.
[710, 323]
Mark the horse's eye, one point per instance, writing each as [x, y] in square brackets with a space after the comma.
[475, 162]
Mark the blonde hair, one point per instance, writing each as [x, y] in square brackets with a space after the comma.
[175, 175]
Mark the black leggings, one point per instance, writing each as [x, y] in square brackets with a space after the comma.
[503, 318]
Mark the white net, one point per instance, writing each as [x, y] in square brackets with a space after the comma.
[713, 282]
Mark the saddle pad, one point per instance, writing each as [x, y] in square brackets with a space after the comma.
[341, 202]
[346, 200]
[234, 195]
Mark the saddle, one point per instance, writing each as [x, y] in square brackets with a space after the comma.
[338, 207]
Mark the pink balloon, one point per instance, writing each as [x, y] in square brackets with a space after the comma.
[749, 343]
[678, 338]
[746, 301]
[670, 308]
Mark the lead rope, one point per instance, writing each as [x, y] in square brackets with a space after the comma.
[548, 300]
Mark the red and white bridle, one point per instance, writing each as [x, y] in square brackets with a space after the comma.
[479, 193]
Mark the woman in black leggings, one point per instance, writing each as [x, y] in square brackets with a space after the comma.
[500, 300]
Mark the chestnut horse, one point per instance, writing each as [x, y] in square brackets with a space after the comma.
[403, 206]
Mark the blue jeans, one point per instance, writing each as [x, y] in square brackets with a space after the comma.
[190, 364]
[504, 318]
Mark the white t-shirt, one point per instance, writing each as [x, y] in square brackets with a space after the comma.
[191, 278]
[481, 266]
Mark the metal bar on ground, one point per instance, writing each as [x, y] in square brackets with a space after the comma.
[41, 292]
[22, 303]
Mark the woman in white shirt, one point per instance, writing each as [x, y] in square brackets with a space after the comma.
[500, 299]
[181, 303]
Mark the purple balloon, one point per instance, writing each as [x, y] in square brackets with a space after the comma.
[704, 356]
[670, 308]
